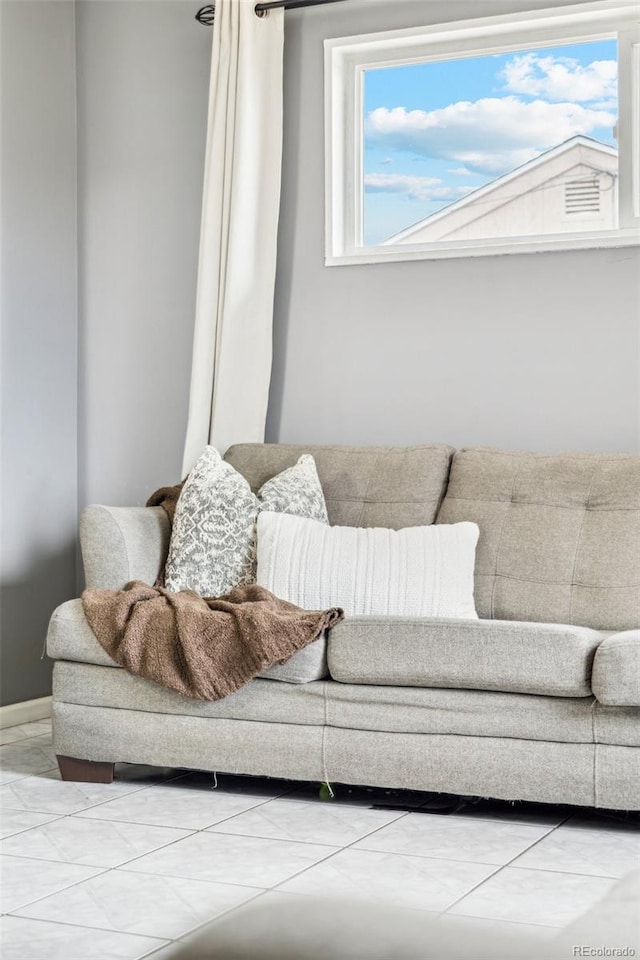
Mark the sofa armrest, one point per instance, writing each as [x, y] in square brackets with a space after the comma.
[615, 679]
[120, 544]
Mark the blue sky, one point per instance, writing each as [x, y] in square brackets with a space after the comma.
[435, 131]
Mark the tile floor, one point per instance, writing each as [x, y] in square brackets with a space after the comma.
[128, 870]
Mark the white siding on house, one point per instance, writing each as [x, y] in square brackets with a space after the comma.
[568, 189]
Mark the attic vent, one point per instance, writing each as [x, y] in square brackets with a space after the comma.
[582, 196]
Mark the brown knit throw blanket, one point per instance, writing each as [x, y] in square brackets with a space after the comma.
[203, 648]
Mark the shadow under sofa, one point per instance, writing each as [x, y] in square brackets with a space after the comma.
[537, 700]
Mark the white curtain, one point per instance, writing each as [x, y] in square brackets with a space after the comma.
[231, 365]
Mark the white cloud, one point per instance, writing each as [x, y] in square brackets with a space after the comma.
[490, 135]
[417, 188]
[460, 172]
[561, 78]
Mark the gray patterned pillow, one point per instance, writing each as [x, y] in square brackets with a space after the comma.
[213, 541]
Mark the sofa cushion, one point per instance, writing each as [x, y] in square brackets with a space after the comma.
[363, 486]
[259, 700]
[418, 571]
[306, 665]
[538, 658]
[616, 670]
[559, 535]
[213, 541]
[71, 638]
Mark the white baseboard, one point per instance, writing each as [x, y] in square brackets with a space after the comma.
[25, 712]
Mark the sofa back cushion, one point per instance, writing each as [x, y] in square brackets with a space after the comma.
[559, 535]
[364, 486]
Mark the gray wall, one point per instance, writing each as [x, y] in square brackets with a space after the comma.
[143, 77]
[39, 378]
[534, 352]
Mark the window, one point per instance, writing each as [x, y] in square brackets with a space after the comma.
[507, 134]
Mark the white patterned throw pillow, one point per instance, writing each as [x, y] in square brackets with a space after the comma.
[213, 541]
[369, 571]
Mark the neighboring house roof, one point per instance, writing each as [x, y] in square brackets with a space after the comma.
[527, 178]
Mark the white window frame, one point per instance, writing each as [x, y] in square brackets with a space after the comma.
[346, 59]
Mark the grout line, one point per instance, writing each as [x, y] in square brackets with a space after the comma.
[168, 940]
[322, 843]
[33, 826]
[513, 923]
[340, 850]
[566, 873]
[523, 823]
[27, 739]
[502, 866]
[63, 863]
[184, 937]
[145, 823]
[99, 866]
[101, 871]
[78, 926]
[26, 776]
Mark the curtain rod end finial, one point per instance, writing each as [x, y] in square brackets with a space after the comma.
[205, 15]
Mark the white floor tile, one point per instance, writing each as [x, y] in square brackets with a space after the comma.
[522, 811]
[534, 896]
[44, 738]
[24, 880]
[529, 932]
[35, 940]
[336, 825]
[172, 951]
[582, 847]
[23, 730]
[47, 793]
[98, 843]
[159, 906]
[176, 804]
[249, 861]
[394, 879]
[455, 838]
[26, 758]
[15, 821]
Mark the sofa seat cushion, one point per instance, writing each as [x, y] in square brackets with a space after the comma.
[260, 700]
[616, 670]
[514, 657]
[71, 638]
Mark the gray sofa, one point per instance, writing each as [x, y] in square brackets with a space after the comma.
[538, 700]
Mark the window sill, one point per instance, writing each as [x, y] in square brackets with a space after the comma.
[482, 248]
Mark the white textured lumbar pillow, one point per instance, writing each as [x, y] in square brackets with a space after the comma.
[369, 571]
[213, 541]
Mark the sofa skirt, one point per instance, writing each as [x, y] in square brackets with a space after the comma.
[507, 768]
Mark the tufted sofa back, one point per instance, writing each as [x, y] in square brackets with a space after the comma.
[363, 486]
[559, 535]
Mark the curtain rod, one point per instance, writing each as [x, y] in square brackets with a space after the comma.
[206, 14]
